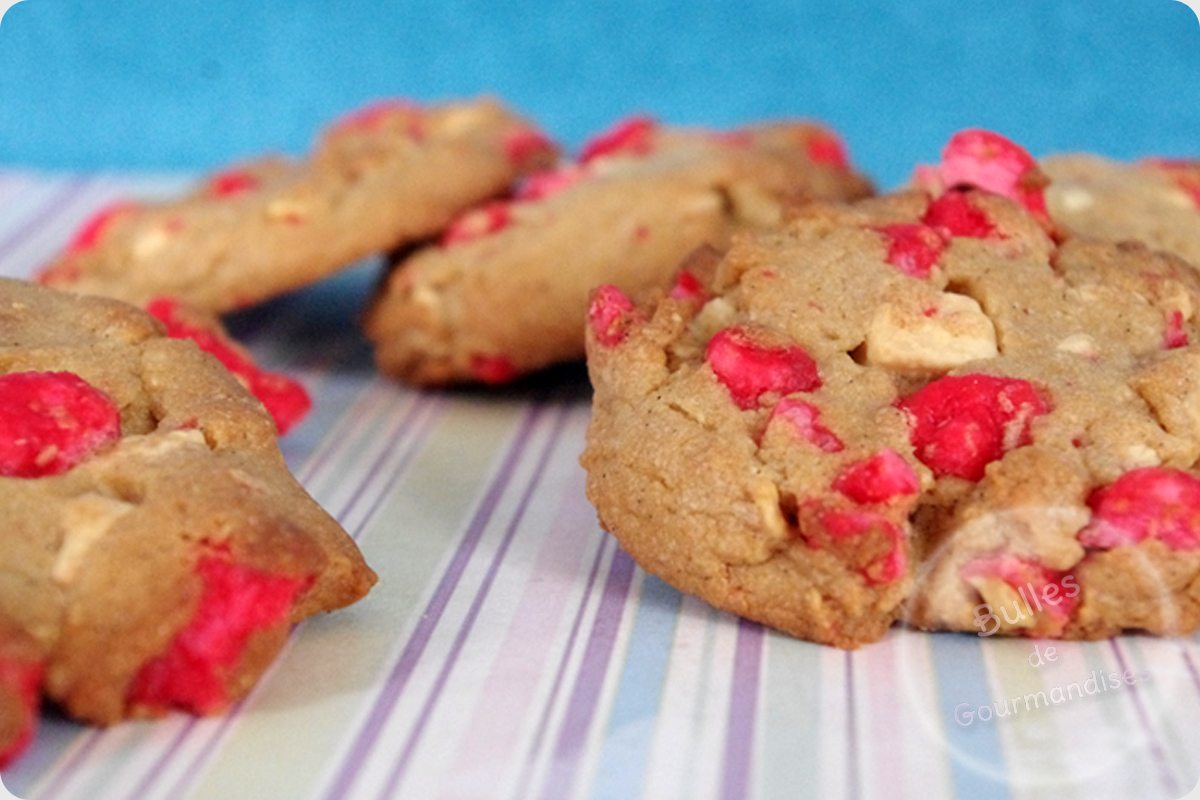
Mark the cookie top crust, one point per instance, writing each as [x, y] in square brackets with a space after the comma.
[382, 176]
[1156, 201]
[144, 493]
[285, 399]
[907, 407]
[504, 291]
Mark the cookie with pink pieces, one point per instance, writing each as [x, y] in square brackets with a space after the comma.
[156, 551]
[504, 291]
[284, 398]
[929, 406]
[1155, 200]
[383, 176]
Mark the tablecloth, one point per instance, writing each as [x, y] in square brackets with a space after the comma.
[511, 650]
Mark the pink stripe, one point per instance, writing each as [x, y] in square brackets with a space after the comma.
[596, 657]
[743, 705]
[560, 676]
[468, 623]
[524, 654]
[884, 722]
[414, 648]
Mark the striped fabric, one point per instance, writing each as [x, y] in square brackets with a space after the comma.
[512, 651]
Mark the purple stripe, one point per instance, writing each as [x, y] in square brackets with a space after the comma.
[1160, 756]
[63, 774]
[406, 422]
[415, 446]
[468, 623]
[743, 705]
[596, 658]
[560, 675]
[360, 409]
[415, 646]
[373, 472]
[1191, 666]
[852, 776]
[206, 751]
[52, 207]
[143, 786]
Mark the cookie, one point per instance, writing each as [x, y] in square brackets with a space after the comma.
[1156, 201]
[920, 407]
[285, 399]
[156, 550]
[505, 290]
[385, 175]
[20, 678]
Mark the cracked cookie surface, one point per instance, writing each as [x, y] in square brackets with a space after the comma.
[156, 549]
[917, 407]
[385, 175]
[505, 291]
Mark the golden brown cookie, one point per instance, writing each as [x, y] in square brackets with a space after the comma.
[388, 174]
[285, 399]
[1156, 201]
[919, 406]
[505, 291]
[155, 549]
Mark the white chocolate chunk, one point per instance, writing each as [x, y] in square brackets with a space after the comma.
[287, 209]
[754, 205]
[1180, 198]
[1177, 297]
[1074, 199]
[250, 482]
[950, 333]
[151, 242]
[766, 498]
[999, 595]
[159, 445]
[717, 313]
[1080, 344]
[460, 120]
[85, 521]
[427, 297]
[702, 205]
[1139, 455]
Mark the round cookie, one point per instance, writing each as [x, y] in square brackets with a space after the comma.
[505, 291]
[155, 550]
[385, 175]
[917, 407]
[1156, 201]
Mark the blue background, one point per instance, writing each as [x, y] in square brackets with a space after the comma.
[155, 84]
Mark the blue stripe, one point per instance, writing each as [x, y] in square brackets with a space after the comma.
[634, 716]
[974, 752]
